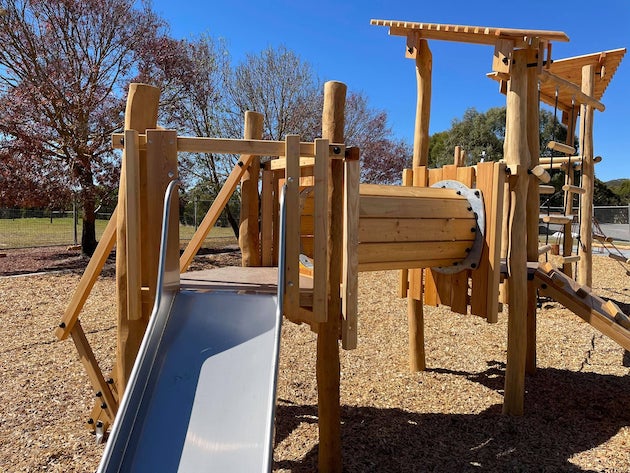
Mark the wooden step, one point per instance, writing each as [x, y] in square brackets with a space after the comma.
[558, 219]
[602, 238]
[617, 257]
[573, 189]
[547, 189]
[561, 148]
[542, 175]
[570, 259]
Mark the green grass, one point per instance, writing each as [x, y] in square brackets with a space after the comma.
[33, 232]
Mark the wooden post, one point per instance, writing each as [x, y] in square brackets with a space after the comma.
[415, 313]
[533, 200]
[516, 152]
[585, 266]
[140, 114]
[424, 68]
[248, 229]
[328, 369]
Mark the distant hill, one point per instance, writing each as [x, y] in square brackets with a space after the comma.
[616, 182]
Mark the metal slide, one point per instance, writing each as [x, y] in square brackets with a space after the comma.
[201, 396]
[204, 401]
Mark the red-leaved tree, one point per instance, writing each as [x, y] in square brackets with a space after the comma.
[64, 70]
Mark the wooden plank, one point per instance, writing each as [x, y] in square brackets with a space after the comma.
[480, 282]
[266, 217]
[408, 207]
[373, 230]
[380, 252]
[86, 355]
[420, 179]
[90, 275]
[459, 281]
[131, 157]
[350, 270]
[544, 249]
[403, 284]
[189, 144]
[402, 191]
[291, 202]
[320, 234]
[281, 163]
[431, 296]
[408, 264]
[213, 213]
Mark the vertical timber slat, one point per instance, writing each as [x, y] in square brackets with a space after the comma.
[350, 251]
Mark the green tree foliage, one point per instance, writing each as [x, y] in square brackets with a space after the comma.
[621, 187]
[481, 135]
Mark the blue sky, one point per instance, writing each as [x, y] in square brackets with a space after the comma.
[337, 39]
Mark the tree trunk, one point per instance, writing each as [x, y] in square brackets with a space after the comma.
[232, 221]
[88, 200]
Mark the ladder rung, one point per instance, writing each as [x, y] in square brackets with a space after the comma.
[617, 257]
[570, 259]
[558, 218]
[602, 238]
[547, 189]
[561, 147]
[544, 249]
[541, 174]
[573, 189]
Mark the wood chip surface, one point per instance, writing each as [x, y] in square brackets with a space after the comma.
[445, 419]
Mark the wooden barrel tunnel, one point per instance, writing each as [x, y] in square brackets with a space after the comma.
[407, 227]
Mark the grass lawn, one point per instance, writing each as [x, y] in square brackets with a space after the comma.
[32, 232]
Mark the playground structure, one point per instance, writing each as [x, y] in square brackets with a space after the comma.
[473, 226]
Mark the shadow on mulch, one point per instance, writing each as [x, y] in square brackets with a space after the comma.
[566, 413]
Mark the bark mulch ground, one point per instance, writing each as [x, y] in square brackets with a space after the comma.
[446, 419]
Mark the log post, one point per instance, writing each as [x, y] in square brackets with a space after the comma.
[140, 114]
[328, 369]
[248, 232]
[415, 310]
[585, 266]
[533, 200]
[516, 150]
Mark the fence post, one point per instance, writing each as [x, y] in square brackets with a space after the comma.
[195, 211]
[75, 222]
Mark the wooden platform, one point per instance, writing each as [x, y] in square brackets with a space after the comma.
[255, 280]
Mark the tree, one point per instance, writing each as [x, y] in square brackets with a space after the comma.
[382, 156]
[64, 68]
[482, 135]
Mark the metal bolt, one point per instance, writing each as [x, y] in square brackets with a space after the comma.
[99, 424]
[62, 325]
[477, 193]
[469, 209]
[468, 250]
[171, 174]
[103, 406]
[473, 229]
[99, 394]
[90, 421]
[110, 381]
[459, 192]
[122, 141]
[544, 286]
[336, 150]
[473, 265]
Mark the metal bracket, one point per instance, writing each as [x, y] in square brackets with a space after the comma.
[475, 199]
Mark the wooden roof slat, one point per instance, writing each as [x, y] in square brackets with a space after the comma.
[467, 34]
[570, 69]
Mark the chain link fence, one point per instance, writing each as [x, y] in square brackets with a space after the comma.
[31, 228]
